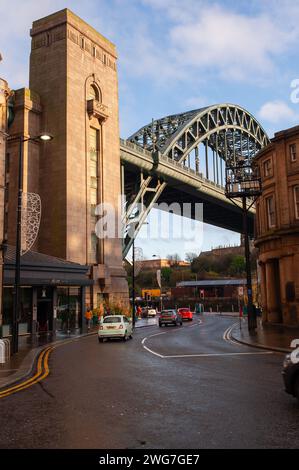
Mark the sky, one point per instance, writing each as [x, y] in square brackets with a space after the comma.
[177, 55]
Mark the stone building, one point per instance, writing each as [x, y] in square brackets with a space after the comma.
[4, 95]
[277, 228]
[73, 94]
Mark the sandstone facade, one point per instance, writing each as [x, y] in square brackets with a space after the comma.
[277, 228]
[73, 94]
[4, 95]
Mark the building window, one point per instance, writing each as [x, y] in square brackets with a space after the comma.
[94, 51]
[93, 93]
[82, 42]
[296, 201]
[93, 248]
[293, 153]
[268, 167]
[94, 137]
[270, 204]
[258, 221]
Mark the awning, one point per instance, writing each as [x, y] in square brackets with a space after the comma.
[38, 269]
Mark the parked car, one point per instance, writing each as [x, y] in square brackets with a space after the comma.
[115, 326]
[290, 375]
[152, 312]
[170, 317]
[186, 314]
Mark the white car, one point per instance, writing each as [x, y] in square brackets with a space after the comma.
[115, 326]
[152, 312]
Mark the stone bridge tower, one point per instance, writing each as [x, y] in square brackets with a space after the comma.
[73, 70]
[4, 95]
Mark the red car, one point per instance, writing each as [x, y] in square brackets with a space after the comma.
[186, 314]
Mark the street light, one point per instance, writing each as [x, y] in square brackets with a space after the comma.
[242, 182]
[160, 283]
[43, 137]
[133, 279]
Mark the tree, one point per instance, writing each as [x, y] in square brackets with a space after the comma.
[166, 274]
[237, 265]
[190, 256]
[174, 259]
[201, 264]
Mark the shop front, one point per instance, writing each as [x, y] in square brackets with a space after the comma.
[52, 295]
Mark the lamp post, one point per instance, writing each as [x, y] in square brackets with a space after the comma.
[44, 137]
[133, 285]
[244, 184]
[160, 284]
[133, 279]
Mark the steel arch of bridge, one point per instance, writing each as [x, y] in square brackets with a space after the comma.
[229, 131]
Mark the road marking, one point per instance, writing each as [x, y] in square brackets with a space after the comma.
[42, 373]
[216, 354]
[226, 337]
[42, 367]
[148, 349]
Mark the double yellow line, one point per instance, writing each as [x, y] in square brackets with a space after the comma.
[41, 374]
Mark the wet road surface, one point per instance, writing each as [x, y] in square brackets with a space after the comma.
[174, 387]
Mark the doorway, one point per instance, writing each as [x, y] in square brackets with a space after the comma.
[44, 310]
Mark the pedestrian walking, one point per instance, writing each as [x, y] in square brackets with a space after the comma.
[88, 317]
[139, 311]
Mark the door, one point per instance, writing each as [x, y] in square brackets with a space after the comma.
[44, 310]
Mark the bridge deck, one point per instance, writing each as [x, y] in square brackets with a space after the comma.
[184, 185]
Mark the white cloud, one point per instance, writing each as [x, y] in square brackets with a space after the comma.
[196, 102]
[237, 45]
[277, 111]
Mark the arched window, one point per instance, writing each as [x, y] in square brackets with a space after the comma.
[94, 93]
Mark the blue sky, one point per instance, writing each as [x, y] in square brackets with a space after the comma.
[176, 55]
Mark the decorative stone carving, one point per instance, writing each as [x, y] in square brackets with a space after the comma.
[97, 110]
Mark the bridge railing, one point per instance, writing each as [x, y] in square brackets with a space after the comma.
[136, 148]
[190, 171]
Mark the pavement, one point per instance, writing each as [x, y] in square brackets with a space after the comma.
[272, 337]
[178, 387]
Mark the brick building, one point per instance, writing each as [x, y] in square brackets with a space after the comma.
[277, 228]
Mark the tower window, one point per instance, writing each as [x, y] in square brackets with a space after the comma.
[93, 93]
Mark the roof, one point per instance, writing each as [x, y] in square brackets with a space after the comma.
[212, 283]
[40, 269]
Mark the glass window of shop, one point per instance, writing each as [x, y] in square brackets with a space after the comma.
[25, 315]
[68, 308]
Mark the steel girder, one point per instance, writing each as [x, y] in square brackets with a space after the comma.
[177, 135]
[228, 130]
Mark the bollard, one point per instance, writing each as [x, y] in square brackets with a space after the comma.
[7, 348]
[2, 352]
